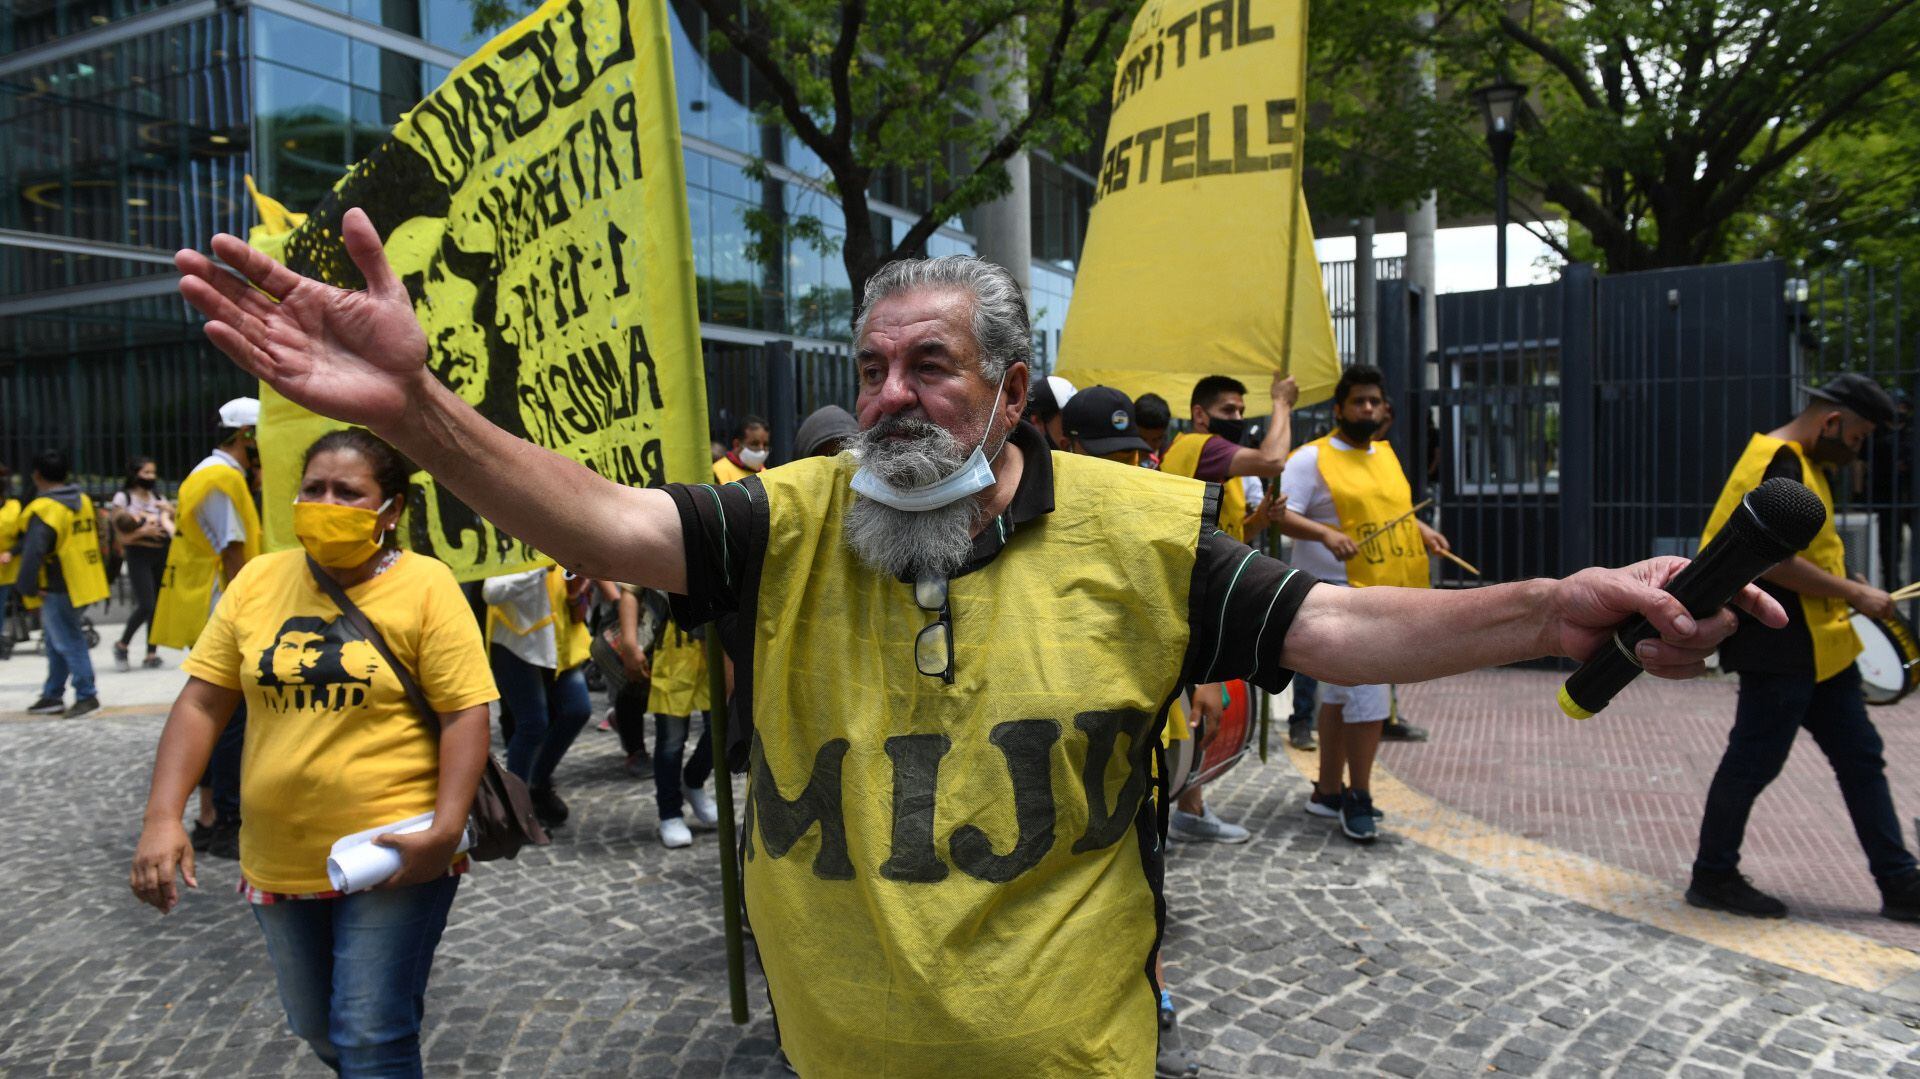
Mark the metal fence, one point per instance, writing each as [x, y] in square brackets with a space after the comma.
[1337, 278]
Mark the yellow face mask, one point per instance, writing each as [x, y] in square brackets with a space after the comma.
[338, 537]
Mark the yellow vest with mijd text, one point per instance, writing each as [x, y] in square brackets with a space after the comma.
[1369, 489]
[1829, 618]
[1183, 459]
[77, 548]
[962, 878]
[193, 566]
[680, 685]
[13, 521]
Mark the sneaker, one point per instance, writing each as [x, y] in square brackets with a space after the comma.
[639, 765]
[1357, 819]
[82, 706]
[1900, 897]
[1204, 828]
[225, 841]
[674, 834]
[1399, 730]
[606, 721]
[1300, 736]
[120, 660]
[547, 806]
[704, 811]
[1175, 1061]
[47, 706]
[152, 662]
[1325, 805]
[1734, 894]
[201, 837]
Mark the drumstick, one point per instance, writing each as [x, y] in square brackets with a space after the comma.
[1458, 561]
[1388, 527]
[1906, 591]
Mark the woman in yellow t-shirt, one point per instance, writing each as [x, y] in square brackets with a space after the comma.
[333, 747]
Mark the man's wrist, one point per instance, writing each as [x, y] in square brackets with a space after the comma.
[1538, 599]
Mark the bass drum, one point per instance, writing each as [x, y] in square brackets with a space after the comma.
[1188, 766]
[1889, 662]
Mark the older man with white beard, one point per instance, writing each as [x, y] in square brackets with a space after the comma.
[953, 857]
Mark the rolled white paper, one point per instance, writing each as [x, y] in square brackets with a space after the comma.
[357, 863]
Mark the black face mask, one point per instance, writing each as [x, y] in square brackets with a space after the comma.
[143, 482]
[1231, 430]
[1832, 450]
[1358, 432]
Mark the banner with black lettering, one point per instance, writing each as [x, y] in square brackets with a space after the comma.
[1199, 256]
[535, 206]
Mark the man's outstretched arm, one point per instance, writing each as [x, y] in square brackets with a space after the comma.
[1351, 636]
[360, 357]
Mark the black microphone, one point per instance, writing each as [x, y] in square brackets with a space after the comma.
[1775, 520]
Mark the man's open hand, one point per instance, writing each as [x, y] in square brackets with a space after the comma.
[355, 356]
[1590, 604]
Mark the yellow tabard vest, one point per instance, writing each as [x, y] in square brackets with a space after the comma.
[13, 521]
[572, 639]
[680, 686]
[725, 471]
[1829, 618]
[1368, 490]
[186, 588]
[961, 877]
[1183, 459]
[78, 549]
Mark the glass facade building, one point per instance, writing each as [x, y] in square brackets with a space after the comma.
[128, 129]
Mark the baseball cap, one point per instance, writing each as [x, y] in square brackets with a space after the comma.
[824, 425]
[1101, 417]
[1049, 396]
[240, 412]
[1860, 395]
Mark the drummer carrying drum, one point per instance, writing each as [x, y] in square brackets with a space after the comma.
[1804, 675]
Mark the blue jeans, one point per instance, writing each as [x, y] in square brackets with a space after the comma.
[548, 712]
[66, 648]
[353, 972]
[1772, 709]
[669, 742]
[1304, 691]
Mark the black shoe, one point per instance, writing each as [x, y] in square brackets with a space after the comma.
[225, 841]
[1399, 730]
[1175, 1061]
[47, 706]
[1357, 818]
[82, 706]
[548, 807]
[1900, 897]
[639, 765]
[1734, 894]
[201, 837]
[1300, 735]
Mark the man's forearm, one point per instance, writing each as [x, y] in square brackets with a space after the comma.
[1798, 575]
[1354, 636]
[589, 524]
[1296, 525]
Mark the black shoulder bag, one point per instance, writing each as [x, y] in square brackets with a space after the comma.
[502, 816]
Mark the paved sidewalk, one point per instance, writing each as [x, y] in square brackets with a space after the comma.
[1296, 954]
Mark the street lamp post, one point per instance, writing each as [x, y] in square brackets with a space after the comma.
[1499, 109]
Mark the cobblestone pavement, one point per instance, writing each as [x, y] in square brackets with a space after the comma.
[1296, 954]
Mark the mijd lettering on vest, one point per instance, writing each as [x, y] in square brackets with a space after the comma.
[1026, 745]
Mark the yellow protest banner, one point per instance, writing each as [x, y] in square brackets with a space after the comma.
[1199, 257]
[535, 206]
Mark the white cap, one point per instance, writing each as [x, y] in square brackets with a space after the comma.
[1063, 390]
[240, 412]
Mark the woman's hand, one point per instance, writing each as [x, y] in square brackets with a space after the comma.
[424, 856]
[163, 849]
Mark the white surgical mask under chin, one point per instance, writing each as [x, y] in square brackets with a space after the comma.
[974, 475]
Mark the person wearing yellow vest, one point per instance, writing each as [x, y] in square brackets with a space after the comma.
[680, 688]
[1804, 676]
[13, 514]
[1348, 506]
[60, 572]
[539, 643]
[943, 698]
[217, 531]
[748, 454]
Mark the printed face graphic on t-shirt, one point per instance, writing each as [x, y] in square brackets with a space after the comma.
[316, 663]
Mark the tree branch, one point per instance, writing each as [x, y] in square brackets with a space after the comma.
[756, 47]
[883, 112]
[839, 72]
[1554, 57]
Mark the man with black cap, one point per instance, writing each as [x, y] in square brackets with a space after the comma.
[1804, 675]
[1098, 422]
[1048, 396]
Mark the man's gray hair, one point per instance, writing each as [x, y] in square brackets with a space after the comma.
[1000, 326]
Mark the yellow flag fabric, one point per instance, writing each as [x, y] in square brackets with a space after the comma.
[1199, 238]
[535, 206]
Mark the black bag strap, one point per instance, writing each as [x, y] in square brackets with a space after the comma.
[364, 626]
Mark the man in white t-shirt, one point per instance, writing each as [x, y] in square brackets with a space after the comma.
[1351, 718]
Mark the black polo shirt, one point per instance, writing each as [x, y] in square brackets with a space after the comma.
[1240, 603]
